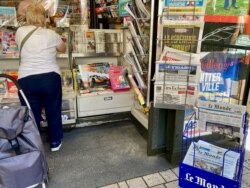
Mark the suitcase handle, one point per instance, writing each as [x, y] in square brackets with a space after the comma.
[18, 87]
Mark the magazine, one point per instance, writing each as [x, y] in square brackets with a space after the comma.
[182, 35]
[211, 158]
[61, 16]
[90, 41]
[8, 16]
[222, 77]
[8, 46]
[185, 6]
[94, 75]
[129, 58]
[121, 7]
[67, 81]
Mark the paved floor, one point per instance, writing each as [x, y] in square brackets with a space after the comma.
[169, 178]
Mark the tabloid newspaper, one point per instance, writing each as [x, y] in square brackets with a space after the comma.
[214, 159]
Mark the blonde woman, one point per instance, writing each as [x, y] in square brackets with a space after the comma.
[39, 74]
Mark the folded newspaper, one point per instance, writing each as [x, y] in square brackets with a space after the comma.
[214, 159]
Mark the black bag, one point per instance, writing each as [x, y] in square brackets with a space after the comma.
[22, 156]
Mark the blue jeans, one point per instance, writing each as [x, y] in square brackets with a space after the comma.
[226, 3]
[45, 90]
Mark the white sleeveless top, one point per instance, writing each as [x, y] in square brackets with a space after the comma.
[39, 51]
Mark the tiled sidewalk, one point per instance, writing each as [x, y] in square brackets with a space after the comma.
[169, 179]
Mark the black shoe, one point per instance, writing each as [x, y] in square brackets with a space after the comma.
[226, 8]
[235, 6]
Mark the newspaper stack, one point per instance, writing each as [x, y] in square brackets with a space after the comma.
[208, 157]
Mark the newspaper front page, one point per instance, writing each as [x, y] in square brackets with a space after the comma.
[214, 159]
[222, 118]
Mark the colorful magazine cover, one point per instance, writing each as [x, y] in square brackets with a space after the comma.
[8, 16]
[95, 75]
[121, 7]
[61, 16]
[185, 6]
[222, 77]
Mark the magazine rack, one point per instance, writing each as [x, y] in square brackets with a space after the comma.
[191, 176]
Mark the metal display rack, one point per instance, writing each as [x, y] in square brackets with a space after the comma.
[192, 176]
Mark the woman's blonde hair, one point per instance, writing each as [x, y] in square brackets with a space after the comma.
[35, 14]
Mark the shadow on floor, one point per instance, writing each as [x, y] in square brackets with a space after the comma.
[91, 157]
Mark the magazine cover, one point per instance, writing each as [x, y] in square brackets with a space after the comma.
[185, 6]
[121, 7]
[182, 35]
[8, 16]
[8, 46]
[223, 77]
[224, 20]
[90, 41]
[94, 75]
[61, 16]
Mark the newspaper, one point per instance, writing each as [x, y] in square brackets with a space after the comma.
[177, 72]
[222, 118]
[100, 41]
[214, 159]
[177, 94]
[171, 54]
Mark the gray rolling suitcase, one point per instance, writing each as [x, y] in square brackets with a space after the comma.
[22, 156]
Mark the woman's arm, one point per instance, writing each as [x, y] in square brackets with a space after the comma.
[62, 48]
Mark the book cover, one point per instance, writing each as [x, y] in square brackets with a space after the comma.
[182, 35]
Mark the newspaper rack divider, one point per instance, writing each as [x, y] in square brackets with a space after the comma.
[191, 176]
